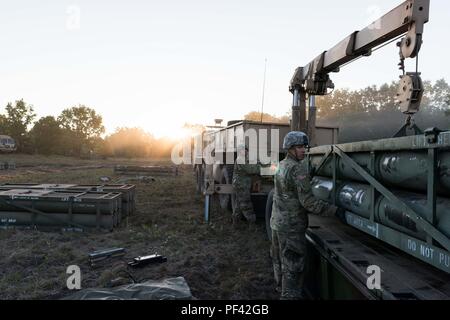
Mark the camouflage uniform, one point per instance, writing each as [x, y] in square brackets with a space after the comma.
[292, 201]
[242, 184]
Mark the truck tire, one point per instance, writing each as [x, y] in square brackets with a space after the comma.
[269, 203]
[226, 177]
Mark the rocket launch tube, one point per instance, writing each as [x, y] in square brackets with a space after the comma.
[401, 169]
[356, 197]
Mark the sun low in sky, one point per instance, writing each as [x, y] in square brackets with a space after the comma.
[160, 64]
[172, 132]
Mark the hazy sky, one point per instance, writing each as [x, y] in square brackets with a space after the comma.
[158, 64]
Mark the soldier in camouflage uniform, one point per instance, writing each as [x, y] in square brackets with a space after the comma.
[292, 201]
[242, 183]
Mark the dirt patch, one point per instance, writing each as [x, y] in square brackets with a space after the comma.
[217, 260]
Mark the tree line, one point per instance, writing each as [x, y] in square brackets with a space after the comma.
[77, 131]
[371, 113]
[364, 114]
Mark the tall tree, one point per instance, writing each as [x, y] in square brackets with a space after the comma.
[18, 118]
[3, 124]
[47, 136]
[359, 113]
[441, 95]
[84, 125]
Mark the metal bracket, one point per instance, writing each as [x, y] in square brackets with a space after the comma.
[373, 192]
[408, 124]
[425, 225]
[296, 80]
[335, 174]
[432, 135]
[322, 162]
[432, 186]
[318, 65]
[350, 50]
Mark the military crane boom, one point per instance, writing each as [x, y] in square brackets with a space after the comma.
[313, 79]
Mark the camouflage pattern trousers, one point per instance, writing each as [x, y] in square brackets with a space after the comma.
[244, 205]
[288, 252]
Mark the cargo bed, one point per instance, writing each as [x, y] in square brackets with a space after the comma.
[338, 259]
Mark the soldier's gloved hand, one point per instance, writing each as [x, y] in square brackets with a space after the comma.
[340, 214]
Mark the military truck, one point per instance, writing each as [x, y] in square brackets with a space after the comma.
[395, 242]
[214, 177]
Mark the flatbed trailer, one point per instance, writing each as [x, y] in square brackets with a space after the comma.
[338, 260]
[395, 191]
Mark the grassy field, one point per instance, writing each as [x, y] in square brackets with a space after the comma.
[217, 260]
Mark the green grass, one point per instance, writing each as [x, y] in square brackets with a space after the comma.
[218, 262]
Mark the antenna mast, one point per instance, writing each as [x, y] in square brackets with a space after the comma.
[264, 88]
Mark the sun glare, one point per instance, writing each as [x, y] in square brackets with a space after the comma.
[173, 133]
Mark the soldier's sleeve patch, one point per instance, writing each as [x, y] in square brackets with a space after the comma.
[302, 180]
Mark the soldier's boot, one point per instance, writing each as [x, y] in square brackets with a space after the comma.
[292, 286]
[277, 276]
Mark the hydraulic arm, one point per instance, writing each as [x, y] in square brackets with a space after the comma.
[313, 79]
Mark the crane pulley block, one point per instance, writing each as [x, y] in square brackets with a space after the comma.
[409, 93]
